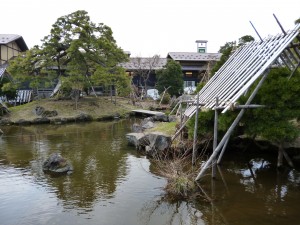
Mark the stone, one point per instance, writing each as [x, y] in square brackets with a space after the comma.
[137, 139]
[117, 116]
[39, 110]
[159, 141]
[172, 118]
[148, 125]
[5, 121]
[136, 128]
[23, 122]
[41, 120]
[161, 118]
[83, 117]
[49, 113]
[55, 163]
[153, 143]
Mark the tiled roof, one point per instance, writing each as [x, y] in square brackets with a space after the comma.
[194, 56]
[144, 63]
[7, 38]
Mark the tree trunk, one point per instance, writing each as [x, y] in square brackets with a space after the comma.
[280, 155]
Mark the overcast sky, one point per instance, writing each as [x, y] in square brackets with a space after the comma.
[149, 27]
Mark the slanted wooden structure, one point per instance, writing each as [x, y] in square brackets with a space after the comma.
[246, 65]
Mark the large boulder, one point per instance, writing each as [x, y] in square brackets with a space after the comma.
[138, 140]
[158, 141]
[82, 117]
[55, 163]
[153, 143]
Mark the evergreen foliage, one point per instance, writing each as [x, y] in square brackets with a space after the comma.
[170, 76]
[280, 95]
[75, 49]
[7, 88]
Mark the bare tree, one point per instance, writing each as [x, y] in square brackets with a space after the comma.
[144, 67]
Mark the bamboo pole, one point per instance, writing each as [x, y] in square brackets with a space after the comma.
[195, 131]
[223, 150]
[179, 102]
[288, 159]
[181, 121]
[215, 142]
[280, 156]
[231, 128]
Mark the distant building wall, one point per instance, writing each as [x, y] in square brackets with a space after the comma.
[8, 51]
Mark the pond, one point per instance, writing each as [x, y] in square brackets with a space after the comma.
[113, 184]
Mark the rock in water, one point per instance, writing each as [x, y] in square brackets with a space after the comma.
[57, 164]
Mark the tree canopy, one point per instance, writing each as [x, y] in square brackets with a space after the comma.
[170, 77]
[75, 49]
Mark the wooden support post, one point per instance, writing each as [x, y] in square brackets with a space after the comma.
[215, 142]
[282, 153]
[195, 131]
[223, 150]
[280, 156]
[179, 102]
[288, 159]
[181, 121]
[231, 128]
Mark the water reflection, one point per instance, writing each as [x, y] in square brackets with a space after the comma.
[97, 152]
[254, 191]
[165, 212]
[112, 184]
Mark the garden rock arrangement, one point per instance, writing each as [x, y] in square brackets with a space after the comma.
[152, 143]
[55, 163]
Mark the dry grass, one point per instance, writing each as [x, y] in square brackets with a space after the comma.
[167, 128]
[180, 177]
[96, 107]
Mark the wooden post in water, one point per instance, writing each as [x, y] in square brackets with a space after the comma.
[279, 158]
[288, 159]
[282, 153]
[215, 142]
[223, 150]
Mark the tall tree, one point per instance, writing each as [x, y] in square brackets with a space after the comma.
[80, 47]
[28, 69]
[170, 77]
[75, 49]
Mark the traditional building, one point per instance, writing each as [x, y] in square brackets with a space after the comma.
[195, 66]
[10, 46]
[142, 70]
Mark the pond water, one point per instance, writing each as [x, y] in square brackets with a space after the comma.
[112, 184]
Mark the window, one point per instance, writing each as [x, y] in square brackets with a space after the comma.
[189, 83]
[188, 74]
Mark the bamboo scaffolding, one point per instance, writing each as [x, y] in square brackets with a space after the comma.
[231, 128]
